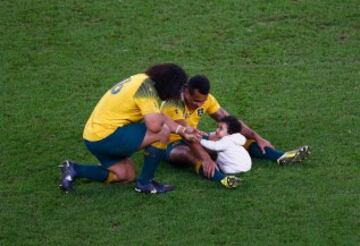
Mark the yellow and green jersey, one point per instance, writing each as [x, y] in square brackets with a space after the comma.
[179, 111]
[125, 103]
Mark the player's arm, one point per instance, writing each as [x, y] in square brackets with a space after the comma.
[173, 112]
[148, 102]
[245, 130]
[184, 131]
[208, 165]
[155, 126]
[154, 122]
[196, 131]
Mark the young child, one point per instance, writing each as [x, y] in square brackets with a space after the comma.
[232, 157]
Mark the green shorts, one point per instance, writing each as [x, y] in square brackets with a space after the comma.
[119, 145]
[173, 145]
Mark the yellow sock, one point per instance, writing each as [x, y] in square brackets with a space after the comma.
[197, 166]
[112, 178]
[248, 143]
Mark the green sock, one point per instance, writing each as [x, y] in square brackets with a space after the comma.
[218, 175]
[270, 154]
[152, 158]
[92, 172]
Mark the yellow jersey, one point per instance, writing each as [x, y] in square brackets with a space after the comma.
[125, 103]
[177, 111]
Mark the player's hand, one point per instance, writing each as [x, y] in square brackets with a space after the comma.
[201, 133]
[191, 137]
[191, 134]
[263, 143]
[209, 167]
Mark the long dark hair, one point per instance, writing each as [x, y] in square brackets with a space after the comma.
[169, 80]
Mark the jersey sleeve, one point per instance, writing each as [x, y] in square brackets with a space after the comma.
[212, 105]
[173, 109]
[147, 99]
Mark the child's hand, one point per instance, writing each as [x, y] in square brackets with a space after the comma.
[201, 133]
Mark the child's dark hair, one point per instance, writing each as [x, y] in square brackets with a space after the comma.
[233, 124]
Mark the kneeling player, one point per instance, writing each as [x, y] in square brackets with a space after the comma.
[125, 120]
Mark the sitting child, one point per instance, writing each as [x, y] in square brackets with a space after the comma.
[232, 157]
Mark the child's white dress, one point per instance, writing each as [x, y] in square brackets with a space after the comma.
[232, 156]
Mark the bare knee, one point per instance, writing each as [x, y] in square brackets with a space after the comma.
[125, 176]
[120, 173]
[182, 156]
[130, 173]
[123, 171]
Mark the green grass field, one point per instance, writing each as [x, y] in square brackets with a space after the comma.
[290, 69]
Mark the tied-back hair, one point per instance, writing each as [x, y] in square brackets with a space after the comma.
[169, 80]
[200, 83]
[233, 124]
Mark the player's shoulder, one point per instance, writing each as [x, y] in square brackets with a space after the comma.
[140, 80]
[132, 83]
[173, 105]
[140, 77]
[144, 86]
[211, 98]
[211, 101]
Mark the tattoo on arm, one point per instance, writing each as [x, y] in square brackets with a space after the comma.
[218, 115]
